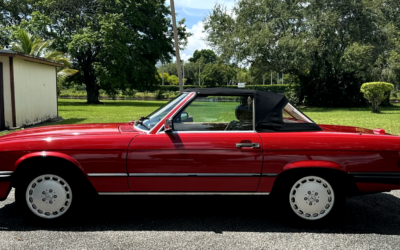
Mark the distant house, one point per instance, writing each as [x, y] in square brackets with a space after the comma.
[28, 89]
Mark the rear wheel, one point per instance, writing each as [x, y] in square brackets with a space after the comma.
[310, 198]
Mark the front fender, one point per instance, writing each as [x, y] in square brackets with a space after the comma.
[44, 154]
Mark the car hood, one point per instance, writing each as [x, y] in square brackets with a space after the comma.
[71, 130]
[346, 129]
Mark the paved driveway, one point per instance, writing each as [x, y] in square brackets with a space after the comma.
[370, 222]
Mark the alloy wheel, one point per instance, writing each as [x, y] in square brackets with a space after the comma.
[48, 196]
[312, 198]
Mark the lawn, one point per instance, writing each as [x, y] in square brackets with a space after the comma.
[77, 111]
[389, 119]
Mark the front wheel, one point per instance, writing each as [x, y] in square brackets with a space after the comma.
[46, 197]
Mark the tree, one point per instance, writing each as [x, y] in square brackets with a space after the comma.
[12, 13]
[114, 44]
[243, 75]
[32, 45]
[331, 46]
[208, 55]
[217, 74]
[376, 92]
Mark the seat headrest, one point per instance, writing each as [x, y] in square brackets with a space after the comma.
[244, 114]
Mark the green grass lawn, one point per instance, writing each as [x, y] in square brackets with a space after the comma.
[77, 111]
[389, 119]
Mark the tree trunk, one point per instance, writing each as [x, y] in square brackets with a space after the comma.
[92, 89]
[92, 94]
[303, 83]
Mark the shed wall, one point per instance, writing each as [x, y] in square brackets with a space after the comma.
[7, 90]
[35, 92]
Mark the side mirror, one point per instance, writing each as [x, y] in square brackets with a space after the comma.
[168, 125]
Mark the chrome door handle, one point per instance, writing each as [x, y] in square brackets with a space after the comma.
[247, 145]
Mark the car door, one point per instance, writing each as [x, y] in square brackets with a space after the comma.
[213, 148]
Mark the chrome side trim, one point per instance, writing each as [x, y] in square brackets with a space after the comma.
[269, 175]
[107, 175]
[199, 175]
[176, 175]
[187, 193]
[5, 175]
[6, 172]
[208, 132]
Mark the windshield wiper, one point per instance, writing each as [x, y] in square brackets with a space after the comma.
[141, 120]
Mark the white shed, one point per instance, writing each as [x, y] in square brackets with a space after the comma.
[28, 89]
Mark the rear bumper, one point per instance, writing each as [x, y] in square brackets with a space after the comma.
[5, 184]
[373, 182]
[378, 177]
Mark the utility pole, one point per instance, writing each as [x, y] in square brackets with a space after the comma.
[263, 79]
[178, 58]
[183, 66]
[162, 66]
[271, 77]
[282, 78]
[199, 74]
[277, 78]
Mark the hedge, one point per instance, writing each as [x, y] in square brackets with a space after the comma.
[276, 88]
[170, 91]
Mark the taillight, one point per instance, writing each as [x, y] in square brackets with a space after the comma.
[379, 131]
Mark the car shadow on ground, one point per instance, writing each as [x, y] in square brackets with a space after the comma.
[372, 214]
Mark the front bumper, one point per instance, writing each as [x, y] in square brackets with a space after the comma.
[5, 184]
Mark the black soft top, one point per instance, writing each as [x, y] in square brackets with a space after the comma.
[268, 109]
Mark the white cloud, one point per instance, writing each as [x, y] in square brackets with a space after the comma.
[195, 42]
[195, 13]
[203, 4]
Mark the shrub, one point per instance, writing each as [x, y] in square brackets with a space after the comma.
[160, 93]
[395, 94]
[275, 88]
[376, 92]
[292, 94]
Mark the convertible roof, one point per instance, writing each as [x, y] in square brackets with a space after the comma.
[268, 109]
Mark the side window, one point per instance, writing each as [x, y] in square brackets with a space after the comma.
[216, 113]
[292, 115]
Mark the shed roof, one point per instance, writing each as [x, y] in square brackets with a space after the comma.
[30, 58]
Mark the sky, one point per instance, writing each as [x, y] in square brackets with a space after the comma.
[194, 11]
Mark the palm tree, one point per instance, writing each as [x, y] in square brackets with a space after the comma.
[35, 46]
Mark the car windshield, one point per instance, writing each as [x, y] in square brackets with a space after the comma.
[151, 120]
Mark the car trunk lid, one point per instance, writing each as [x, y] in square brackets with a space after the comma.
[350, 129]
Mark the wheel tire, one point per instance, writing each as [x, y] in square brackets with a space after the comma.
[48, 197]
[310, 198]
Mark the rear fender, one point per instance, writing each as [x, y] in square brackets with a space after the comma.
[310, 166]
[313, 164]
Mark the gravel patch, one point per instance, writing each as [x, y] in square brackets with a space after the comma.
[369, 222]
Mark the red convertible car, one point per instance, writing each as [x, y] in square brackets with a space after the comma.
[204, 142]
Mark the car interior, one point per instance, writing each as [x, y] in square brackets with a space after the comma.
[242, 111]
